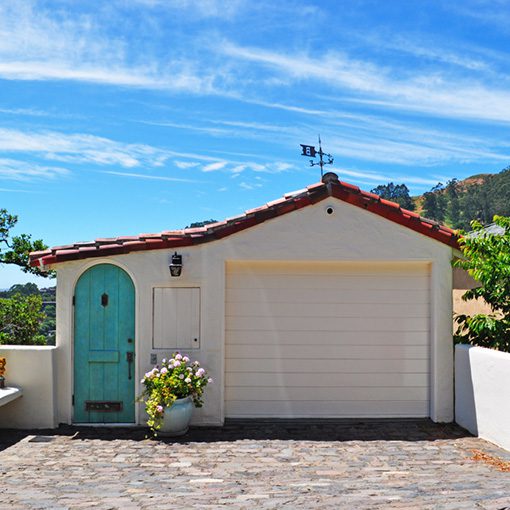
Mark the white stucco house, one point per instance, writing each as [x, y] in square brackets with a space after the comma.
[329, 302]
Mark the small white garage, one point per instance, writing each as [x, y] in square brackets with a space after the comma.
[329, 302]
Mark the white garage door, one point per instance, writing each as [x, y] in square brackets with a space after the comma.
[327, 340]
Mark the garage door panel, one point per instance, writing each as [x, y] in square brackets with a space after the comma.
[331, 281]
[318, 365]
[325, 409]
[347, 338]
[321, 309]
[322, 295]
[329, 379]
[325, 393]
[338, 324]
[335, 268]
[328, 351]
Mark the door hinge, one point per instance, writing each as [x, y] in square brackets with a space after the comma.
[74, 300]
[73, 400]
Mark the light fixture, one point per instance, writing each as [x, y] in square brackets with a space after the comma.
[176, 265]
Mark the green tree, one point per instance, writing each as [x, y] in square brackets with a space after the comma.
[20, 320]
[16, 249]
[453, 210]
[197, 224]
[487, 260]
[26, 289]
[434, 203]
[396, 193]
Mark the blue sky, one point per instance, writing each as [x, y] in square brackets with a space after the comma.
[132, 116]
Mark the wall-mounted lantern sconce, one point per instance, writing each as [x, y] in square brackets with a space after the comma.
[176, 265]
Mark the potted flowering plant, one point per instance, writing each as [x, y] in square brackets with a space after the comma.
[171, 391]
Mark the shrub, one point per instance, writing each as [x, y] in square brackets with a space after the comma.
[20, 320]
[487, 260]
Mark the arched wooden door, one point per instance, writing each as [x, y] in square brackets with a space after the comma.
[104, 346]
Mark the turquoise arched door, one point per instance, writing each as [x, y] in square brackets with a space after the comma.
[104, 346]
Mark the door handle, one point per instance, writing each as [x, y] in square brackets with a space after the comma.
[130, 356]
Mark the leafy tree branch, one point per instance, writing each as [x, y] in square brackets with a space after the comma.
[487, 260]
[16, 249]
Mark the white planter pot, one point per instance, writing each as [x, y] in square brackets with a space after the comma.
[176, 418]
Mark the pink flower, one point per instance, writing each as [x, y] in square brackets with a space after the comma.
[177, 363]
[210, 380]
[164, 370]
[178, 356]
[185, 359]
[159, 409]
[181, 376]
[200, 372]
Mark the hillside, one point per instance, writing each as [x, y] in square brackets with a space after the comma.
[456, 203]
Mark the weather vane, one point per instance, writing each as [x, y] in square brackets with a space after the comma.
[311, 152]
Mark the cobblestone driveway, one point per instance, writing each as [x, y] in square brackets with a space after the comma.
[349, 464]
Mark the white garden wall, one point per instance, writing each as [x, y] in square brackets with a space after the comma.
[482, 393]
[31, 368]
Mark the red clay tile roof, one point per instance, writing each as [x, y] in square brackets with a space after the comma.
[330, 187]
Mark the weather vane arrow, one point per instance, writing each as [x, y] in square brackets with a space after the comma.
[311, 152]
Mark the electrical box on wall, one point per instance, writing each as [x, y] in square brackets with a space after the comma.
[176, 318]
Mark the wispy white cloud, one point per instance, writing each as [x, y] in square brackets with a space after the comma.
[186, 164]
[378, 177]
[14, 170]
[24, 111]
[10, 190]
[493, 13]
[249, 185]
[197, 10]
[38, 44]
[214, 166]
[149, 177]
[80, 148]
[238, 167]
[397, 89]
[380, 138]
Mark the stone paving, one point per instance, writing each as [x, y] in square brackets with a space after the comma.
[254, 465]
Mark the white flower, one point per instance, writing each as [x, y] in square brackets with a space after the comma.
[187, 380]
[164, 370]
[178, 356]
[210, 380]
[181, 376]
[185, 359]
[177, 363]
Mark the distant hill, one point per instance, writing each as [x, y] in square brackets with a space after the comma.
[456, 203]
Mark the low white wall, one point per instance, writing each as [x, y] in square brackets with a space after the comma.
[31, 368]
[482, 393]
